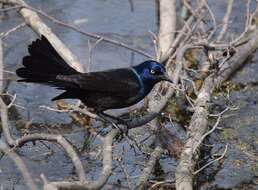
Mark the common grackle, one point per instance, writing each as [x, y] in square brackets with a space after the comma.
[110, 89]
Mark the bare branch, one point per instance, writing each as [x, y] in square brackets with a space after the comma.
[207, 134]
[21, 4]
[167, 28]
[213, 20]
[1, 65]
[20, 164]
[19, 142]
[121, 164]
[4, 121]
[155, 155]
[199, 121]
[225, 20]
[5, 34]
[182, 33]
[104, 175]
[62, 142]
[211, 162]
[33, 20]
[5, 126]
[3, 107]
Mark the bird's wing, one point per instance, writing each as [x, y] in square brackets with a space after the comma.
[117, 82]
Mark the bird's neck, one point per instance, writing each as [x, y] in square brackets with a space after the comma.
[145, 83]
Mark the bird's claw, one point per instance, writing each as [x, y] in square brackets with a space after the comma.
[123, 130]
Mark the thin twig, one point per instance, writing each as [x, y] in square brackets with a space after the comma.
[121, 164]
[10, 8]
[91, 48]
[182, 33]
[213, 20]
[159, 183]
[225, 20]
[211, 162]
[5, 34]
[207, 133]
[12, 102]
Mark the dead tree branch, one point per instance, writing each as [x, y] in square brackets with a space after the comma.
[3, 147]
[1, 65]
[15, 143]
[199, 122]
[59, 140]
[21, 4]
[167, 28]
[155, 155]
[4, 34]
[104, 175]
[83, 183]
[225, 20]
[20, 164]
[211, 162]
[183, 32]
[3, 107]
[33, 20]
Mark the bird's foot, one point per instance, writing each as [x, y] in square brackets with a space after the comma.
[114, 120]
[124, 124]
[123, 131]
[117, 123]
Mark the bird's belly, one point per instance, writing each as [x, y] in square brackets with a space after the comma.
[104, 102]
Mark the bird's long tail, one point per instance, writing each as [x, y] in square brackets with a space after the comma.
[43, 64]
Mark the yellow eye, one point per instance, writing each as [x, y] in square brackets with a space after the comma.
[152, 72]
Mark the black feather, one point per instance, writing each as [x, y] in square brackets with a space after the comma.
[100, 90]
[43, 64]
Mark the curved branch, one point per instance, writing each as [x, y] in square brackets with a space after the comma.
[62, 142]
[104, 175]
[20, 164]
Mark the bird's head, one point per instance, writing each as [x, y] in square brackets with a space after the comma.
[152, 72]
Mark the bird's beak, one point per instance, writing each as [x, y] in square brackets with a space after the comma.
[165, 77]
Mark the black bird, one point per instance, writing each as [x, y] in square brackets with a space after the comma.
[110, 89]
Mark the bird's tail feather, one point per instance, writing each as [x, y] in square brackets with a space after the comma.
[43, 64]
[68, 94]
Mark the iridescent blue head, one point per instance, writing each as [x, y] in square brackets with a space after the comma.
[151, 72]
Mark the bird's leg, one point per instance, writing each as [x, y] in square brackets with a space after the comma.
[117, 119]
[114, 121]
